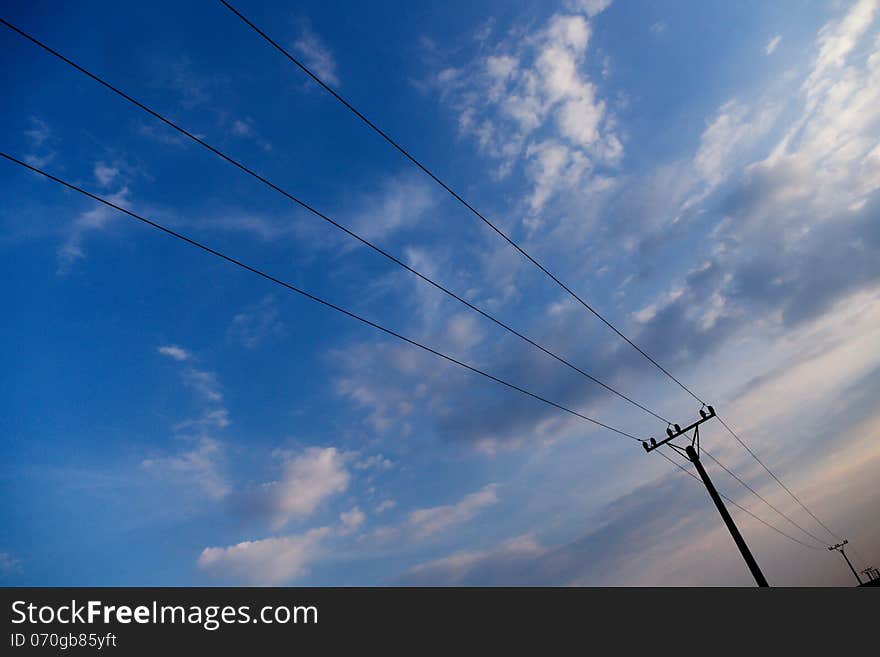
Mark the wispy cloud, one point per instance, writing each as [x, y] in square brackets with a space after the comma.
[105, 174]
[9, 565]
[772, 44]
[509, 99]
[173, 351]
[308, 479]
[204, 383]
[95, 219]
[199, 465]
[256, 323]
[38, 136]
[424, 523]
[352, 520]
[316, 55]
[385, 505]
[270, 561]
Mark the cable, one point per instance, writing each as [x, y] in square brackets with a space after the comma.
[390, 140]
[760, 497]
[313, 297]
[771, 473]
[363, 320]
[453, 193]
[741, 508]
[331, 221]
[407, 267]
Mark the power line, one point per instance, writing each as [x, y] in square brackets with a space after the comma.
[308, 295]
[762, 498]
[403, 264]
[357, 317]
[333, 222]
[406, 153]
[453, 193]
[692, 452]
[741, 508]
[778, 480]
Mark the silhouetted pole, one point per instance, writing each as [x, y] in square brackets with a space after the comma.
[839, 548]
[728, 520]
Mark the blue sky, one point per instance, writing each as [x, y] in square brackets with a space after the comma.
[706, 174]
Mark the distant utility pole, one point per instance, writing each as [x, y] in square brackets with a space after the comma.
[839, 548]
[871, 573]
[692, 452]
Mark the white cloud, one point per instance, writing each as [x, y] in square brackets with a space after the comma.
[242, 128]
[421, 524]
[173, 351]
[351, 520]
[199, 466]
[316, 56]
[91, 220]
[433, 520]
[271, 561]
[105, 174]
[553, 166]
[245, 129]
[398, 203]
[374, 461]
[459, 568]
[38, 135]
[308, 479]
[733, 128]
[837, 39]
[204, 383]
[590, 7]
[257, 323]
[385, 505]
[528, 85]
[659, 27]
[217, 418]
[772, 44]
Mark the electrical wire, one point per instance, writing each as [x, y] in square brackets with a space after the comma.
[777, 479]
[408, 155]
[417, 273]
[363, 320]
[738, 506]
[762, 498]
[313, 297]
[453, 193]
[333, 222]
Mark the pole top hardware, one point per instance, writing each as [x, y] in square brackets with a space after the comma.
[675, 430]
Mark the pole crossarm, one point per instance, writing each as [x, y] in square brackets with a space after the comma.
[675, 430]
[839, 548]
[692, 453]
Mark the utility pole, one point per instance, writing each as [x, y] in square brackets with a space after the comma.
[871, 573]
[692, 452]
[839, 548]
